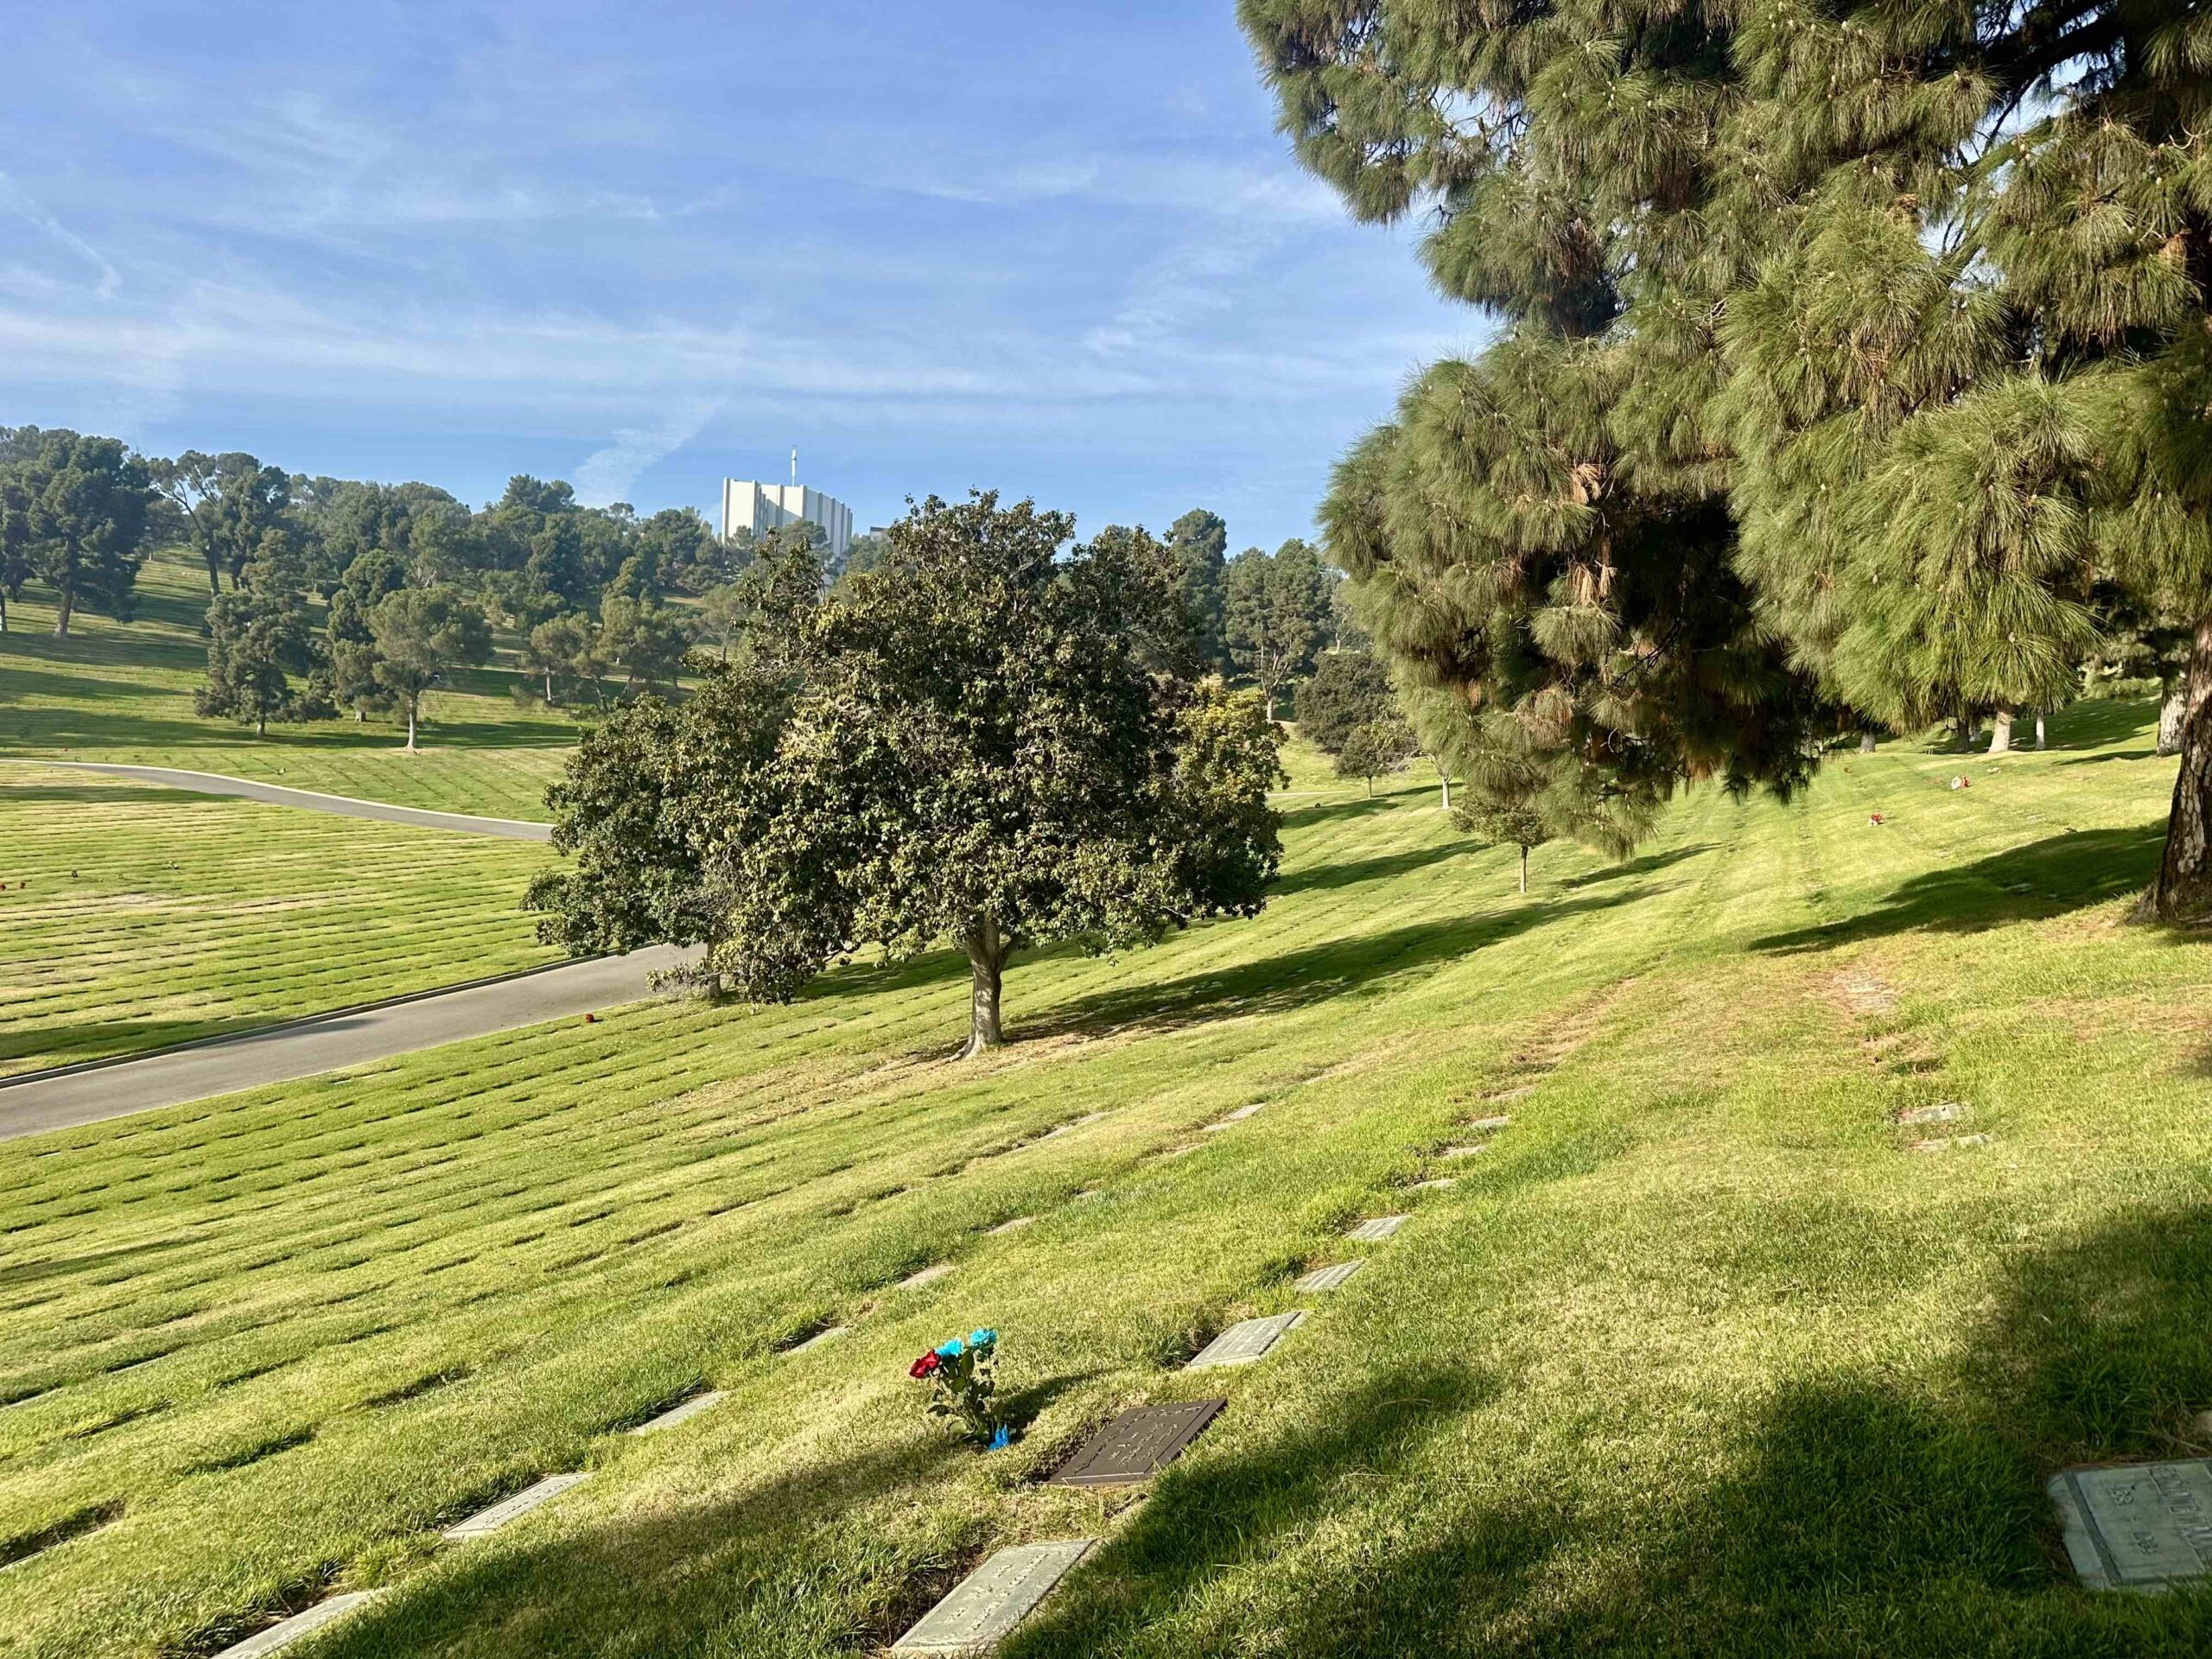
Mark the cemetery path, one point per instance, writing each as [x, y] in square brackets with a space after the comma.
[346, 1036]
[210, 783]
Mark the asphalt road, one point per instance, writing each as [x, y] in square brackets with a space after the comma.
[209, 783]
[309, 1047]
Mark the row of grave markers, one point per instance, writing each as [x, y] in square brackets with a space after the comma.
[984, 1607]
[481, 1524]
[2139, 1527]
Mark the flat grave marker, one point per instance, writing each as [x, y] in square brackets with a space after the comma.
[928, 1276]
[1454, 1153]
[327, 1611]
[682, 1413]
[826, 1334]
[1236, 1117]
[1136, 1445]
[1244, 1342]
[1949, 1111]
[1945, 1143]
[2139, 1527]
[1496, 1121]
[1434, 1184]
[508, 1510]
[1329, 1278]
[1013, 1226]
[986, 1605]
[1376, 1231]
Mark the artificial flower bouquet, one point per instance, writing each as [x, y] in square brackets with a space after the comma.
[963, 1377]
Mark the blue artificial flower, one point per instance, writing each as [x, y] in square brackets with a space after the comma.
[982, 1338]
[999, 1438]
[952, 1350]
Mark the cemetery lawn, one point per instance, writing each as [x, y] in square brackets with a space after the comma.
[122, 692]
[136, 915]
[1698, 1357]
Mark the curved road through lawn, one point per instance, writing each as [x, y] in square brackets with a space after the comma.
[328, 1042]
[306, 1048]
[212, 782]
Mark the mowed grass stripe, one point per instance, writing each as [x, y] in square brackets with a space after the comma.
[153, 917]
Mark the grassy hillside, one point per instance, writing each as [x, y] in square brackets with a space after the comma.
[133, 915]
[123, 692]
[1700, 1356]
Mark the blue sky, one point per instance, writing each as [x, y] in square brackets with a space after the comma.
[1056, 248]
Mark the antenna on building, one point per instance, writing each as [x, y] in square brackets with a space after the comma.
[794, 470]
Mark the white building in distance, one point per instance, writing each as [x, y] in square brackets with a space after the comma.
[763, 507]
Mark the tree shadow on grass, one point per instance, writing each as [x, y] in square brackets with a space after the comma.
[1329, 812]
[1651, 863]
[1363, 964]
[2030, 883]
[1860, 1511]
[1323, 877]
[72, 1045]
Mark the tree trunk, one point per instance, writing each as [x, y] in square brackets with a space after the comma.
[2000, 730]
[988, 949]
[261, 722]
[1524, 869]
[2172, 712]
[1271, 707]
[360, 716]
[1865, 742]
[411, 725]
[67, 603]
[2183, 889]
[2039, 733]
[1962, 730]
[549, 687]
[1445, 779]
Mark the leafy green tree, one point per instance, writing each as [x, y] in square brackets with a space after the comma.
[259, 638]
[1382, 742]
[15, 539]
[963, 745]
[567, 650]
[1275, 609]
[682, 547]
[646, 641]
[1347, 689]
[1522, 825]
[421, 635]
[227, 503]
[83, 503]
[1200, 542]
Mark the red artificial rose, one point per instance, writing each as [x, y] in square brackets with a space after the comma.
[925, 1365]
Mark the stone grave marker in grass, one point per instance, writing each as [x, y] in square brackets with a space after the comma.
[1459, 1152]
[1496, 1121]
[1136, 1443]
[1236, 1117]
[986, 1605]
[2142, 1527]
[1435, 1184]
[510, 1510]
[1245, 1343]
[928, 1276]
[682, 1413]
[327, 1611]
[1330, 1277]
[1378, 1229]
[1948, 1111]
[827, 1333]
[1014, 1225]
[1945, 1144]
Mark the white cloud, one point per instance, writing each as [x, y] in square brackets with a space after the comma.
[606, 475]
[20, 202]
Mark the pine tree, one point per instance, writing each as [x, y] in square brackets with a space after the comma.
[1855, 342]
[1275, 608]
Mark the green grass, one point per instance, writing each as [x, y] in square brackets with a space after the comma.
[135, 915]
[1698, 1358]
[123, 692]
